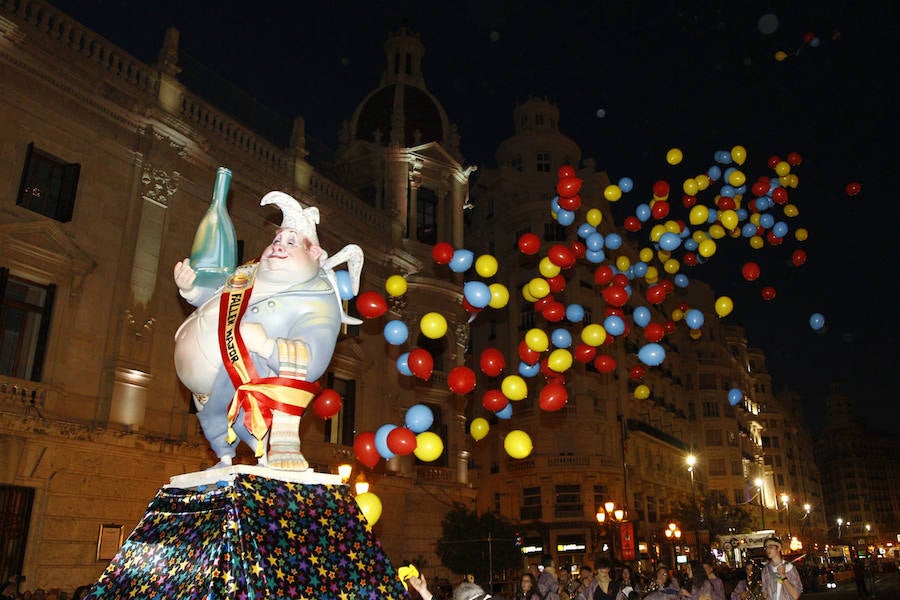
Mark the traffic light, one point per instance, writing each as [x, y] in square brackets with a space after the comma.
[519, 541]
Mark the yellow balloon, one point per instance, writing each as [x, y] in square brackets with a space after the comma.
[801, 234]
[560, 360]
[783, 168]
[674, 156]
[706, 248]
[672, 226]
[791, 210]
[729, 218]
[517, 444]
[538, 287]
[395, 285]
[702, 181]
[739, 154]
[677, 314]
[671, 266]
[699, 214]
[690, 186]
[646, 254]
[657, 231]
[548, 268]
[514, 387]
[623, 262]
[716, 231]
[593, 334]
[433, 325]
[663, 255]
[793, 180]
[527, 295]
[652, 275]
[754, 218]
[756, 242]
[724, 306]
[785, 181]
[537, 340]
[780, 55]
[370, 506]
[736, 178]
[486, 265]
[479, 428]
[642, 392]
[698, 236]
[499, 295]
[696, 333]
[429, 446]
[594, 217]
[612, 192]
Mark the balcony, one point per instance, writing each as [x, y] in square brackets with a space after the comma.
[565, 462]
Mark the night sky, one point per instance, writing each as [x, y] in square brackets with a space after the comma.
[631, 80]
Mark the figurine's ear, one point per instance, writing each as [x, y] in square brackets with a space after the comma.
[316, 251]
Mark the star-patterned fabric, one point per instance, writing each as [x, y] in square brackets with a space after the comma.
[253, 538]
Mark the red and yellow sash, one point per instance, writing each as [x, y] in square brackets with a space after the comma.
[256, 395]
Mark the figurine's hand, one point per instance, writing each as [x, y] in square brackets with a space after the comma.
[420, 585]
[293, 358]
[256, 340]
[184, 275]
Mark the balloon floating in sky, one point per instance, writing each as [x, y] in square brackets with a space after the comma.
[735, 396]
[816, 321]
[518, 444]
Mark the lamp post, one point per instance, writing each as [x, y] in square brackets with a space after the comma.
[787, 507]
[673, 534]
[691, 461]
[762, 514]
[840, 523]
[609, 513]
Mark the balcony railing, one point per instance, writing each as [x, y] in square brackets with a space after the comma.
[21, 395]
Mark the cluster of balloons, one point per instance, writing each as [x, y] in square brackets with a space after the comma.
[810, 40]
[392, 440]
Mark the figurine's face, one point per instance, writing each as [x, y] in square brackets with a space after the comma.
[290, 258]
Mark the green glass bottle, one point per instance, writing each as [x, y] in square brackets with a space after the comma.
[214, 252]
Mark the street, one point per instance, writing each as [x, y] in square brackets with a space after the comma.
[887, 587]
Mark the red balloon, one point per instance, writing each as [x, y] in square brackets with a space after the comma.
[780, 195]
[773, 161]
[654, 332]
[365, 450]
[442, 253]
[527, 355]
[853, 188]
[609, 311]
[808, 37]
[661, 189]
[494, 400]
[688, 201]
[461, 380]
[553, 397]
[725, 203]
[561, 256]
[750, 271]
[529, 244]
[605, 363]
[760, 188]
[555, 312]
[492, 362]
[768, 292]
[667, 285]
[578, 249]
[371, 305]
[637, 372]
[327, 404]
[773, 239]
[798, 257]
[603, 275]
[557, 283]
[542, 303]
[565, 171]
[794, 159]
[401, 441]
[632, 224]
[469, 308]
[656, 294]
[615, 295]
[420, 363]
[690, 259]
[546, 371]
[568, 187]
[660, 210]
[584, 353]
[620, 280]
[573, 203]
[669, 327]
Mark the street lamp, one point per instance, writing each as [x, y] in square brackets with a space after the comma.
[762, 514]
[614, 515]
[691, 461]
[673, 534]
[785, 499]
[840, 523]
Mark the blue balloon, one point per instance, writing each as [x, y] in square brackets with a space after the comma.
[643, 212]
[403, 364]
[561, 338]
[629, 273]
[652, 354]
[773, 183]
[766, 221]
[694, 318]
[613, 241]
[714, 172]
[594, 241]
[727, 191]
[396, 332]
[691, 244]
[565, 217]
[764, 203]
[477, 293]
[641, 316]
[575, 313]
[614, 325]
[681, 280]
[713, 216]
[626, 184]
[505, 413]
[780, 229]
[722, 157]
[684, 233]
[586, 229]
[640, 269]
[418, 418]
[741, 189]
[748, 230]
[554, 204]
[742, 213]
[595, 256]
[345, 286]
[526, 370]
[816, 321]
[461, 261]
[735, 396]
[381, 441]
[669, 241]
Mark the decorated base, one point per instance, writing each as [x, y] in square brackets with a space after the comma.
[248, 536]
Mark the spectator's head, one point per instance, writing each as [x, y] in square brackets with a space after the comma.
[586, 573]
[604, 565]
[547, 560]
[528, 582]
[773, 547]
[469, 591]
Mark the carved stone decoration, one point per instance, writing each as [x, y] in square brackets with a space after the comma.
[397, 305]
[462, 334]
[137, 326]
[158, 185]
